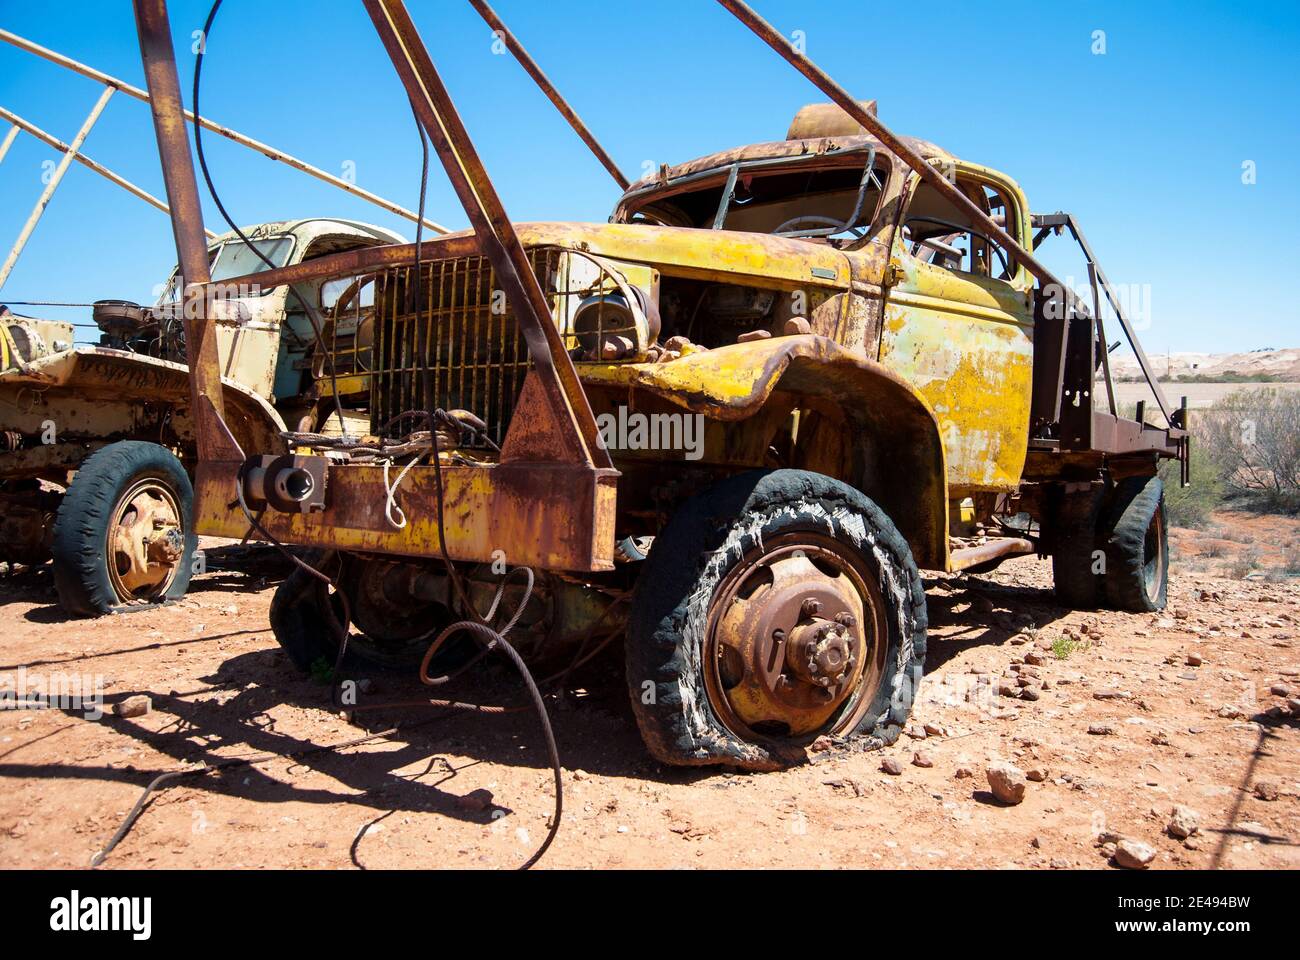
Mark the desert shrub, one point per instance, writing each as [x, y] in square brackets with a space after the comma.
[1189, 506]
[1213, 548]
[1192, 505]
[1254, 436]
[1246, 563]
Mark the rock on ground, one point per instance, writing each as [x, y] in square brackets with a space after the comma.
[1134, 854]
[1184, 822]
[1006, 781]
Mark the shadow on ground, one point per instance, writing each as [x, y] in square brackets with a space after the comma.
[230, 713]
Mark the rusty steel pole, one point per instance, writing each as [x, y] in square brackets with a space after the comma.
[266, 150]
[492, 227]
[48, 193]
[159, 57]
[533, 70]
[769, 35]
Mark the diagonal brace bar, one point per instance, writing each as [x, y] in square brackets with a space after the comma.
[496, 235]
[8, 141]
[543, 81]
[264, 149]
[769, 35]
[50, 140]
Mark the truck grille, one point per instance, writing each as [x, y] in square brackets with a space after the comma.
[462, 350]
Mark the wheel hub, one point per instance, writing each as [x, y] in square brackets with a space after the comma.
[146, 541]
[787, 649]
[821, 652]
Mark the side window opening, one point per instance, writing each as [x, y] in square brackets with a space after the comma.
[935, 231]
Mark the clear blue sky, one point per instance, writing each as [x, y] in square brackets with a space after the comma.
[1144, 143]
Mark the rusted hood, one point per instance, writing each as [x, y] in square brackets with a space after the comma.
[98, 372]
[704, 252]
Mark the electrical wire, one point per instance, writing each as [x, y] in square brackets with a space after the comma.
[47, 303]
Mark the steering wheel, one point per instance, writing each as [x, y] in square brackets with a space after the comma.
[962, 228]
[836, 226]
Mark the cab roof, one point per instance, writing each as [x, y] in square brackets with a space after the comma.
[308, 229]
[818, 129]
[819, 146]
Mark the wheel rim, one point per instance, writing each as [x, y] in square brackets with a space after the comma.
[796, 640]
[1153, 553]
[146, 541]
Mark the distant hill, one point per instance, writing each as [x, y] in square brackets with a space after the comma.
[1276, 366]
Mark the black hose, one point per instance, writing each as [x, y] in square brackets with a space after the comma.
[492, 640]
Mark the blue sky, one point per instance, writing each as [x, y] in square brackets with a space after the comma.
[1145, 143]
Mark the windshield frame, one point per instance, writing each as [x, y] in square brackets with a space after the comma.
[721, 175]
[260, 267]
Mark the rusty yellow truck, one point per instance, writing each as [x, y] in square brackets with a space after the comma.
[729, 427]
[839, 380]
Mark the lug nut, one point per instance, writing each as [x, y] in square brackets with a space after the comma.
[846, 619]
[811, 607]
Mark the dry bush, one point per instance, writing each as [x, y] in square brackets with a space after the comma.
[1213, 549]
[1253, 436]
[1245, 564]
[1192, 506]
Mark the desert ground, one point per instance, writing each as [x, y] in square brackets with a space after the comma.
[1115, 719]
[1199, 395]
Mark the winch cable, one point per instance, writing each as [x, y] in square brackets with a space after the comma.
[308, 308]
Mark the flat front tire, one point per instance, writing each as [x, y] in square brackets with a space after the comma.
[775, 608]
[1137, 547]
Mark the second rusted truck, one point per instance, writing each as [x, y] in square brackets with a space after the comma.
[815, 378]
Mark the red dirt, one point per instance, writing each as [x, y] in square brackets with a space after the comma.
[476, 792]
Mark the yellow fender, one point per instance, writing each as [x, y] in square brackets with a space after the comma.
[899, 454]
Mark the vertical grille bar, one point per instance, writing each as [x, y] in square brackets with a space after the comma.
[464, 356]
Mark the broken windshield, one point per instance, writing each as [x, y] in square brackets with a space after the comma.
[234, 259]
[834, 203]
